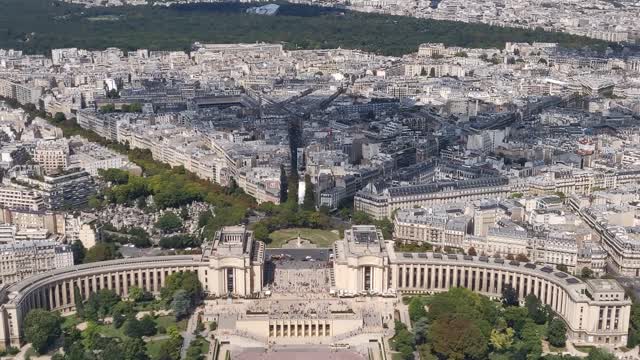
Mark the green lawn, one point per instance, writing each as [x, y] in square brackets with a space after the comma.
[110, 331]
[322, 238]
[153, 348]
[71, 321]
[169, 320]
[584, 349]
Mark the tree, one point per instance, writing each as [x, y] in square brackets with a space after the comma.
[416, 309]
[148, 326]
[465, 304]
[107, 348]
[472, 251]
[420, 329]
[71, 335]
[403, 341]
[42, 329]
[557, 333]
[509, 296]
[537, 312]
[180, 304]
[114, 176]
[516, 318]
[59, 118]
[101, 252]
[531, 347]
[187, 281]
[586, 273]
[169, 222]
[562, 267]
[309, 201]
[432, 72]
[522, 258]
[179, 242]
[78, 300]
[361, 218]
[94, 202]
[171, 349]
[79, 252]
[132, 328]
[134, 349]
[109, 108]
[136, 294]
[121, 312]
[261, 232]
[138, 328]
[501, 340]
[76, 352]
[100, 304]
[457, 339]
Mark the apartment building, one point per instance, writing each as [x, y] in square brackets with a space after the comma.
[20, 259]
[382, 204]
[23, 93]
[53, 156]
[73, 187]
[22, 199]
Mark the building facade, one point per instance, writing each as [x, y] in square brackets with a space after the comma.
[21, 259]
[595, 311]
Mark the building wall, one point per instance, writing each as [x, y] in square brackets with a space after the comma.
[55, 290]
[432, 274]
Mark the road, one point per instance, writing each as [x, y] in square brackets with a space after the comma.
[188, 335]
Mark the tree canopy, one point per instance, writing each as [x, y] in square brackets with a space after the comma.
[42, 329]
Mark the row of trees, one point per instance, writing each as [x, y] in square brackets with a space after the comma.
[289, 213]
[170, 187]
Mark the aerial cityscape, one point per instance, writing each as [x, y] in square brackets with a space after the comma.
[345, 180]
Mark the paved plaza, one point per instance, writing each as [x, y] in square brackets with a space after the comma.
[299, 354]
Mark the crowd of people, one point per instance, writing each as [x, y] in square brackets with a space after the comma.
[300, 309]
[308, 282]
